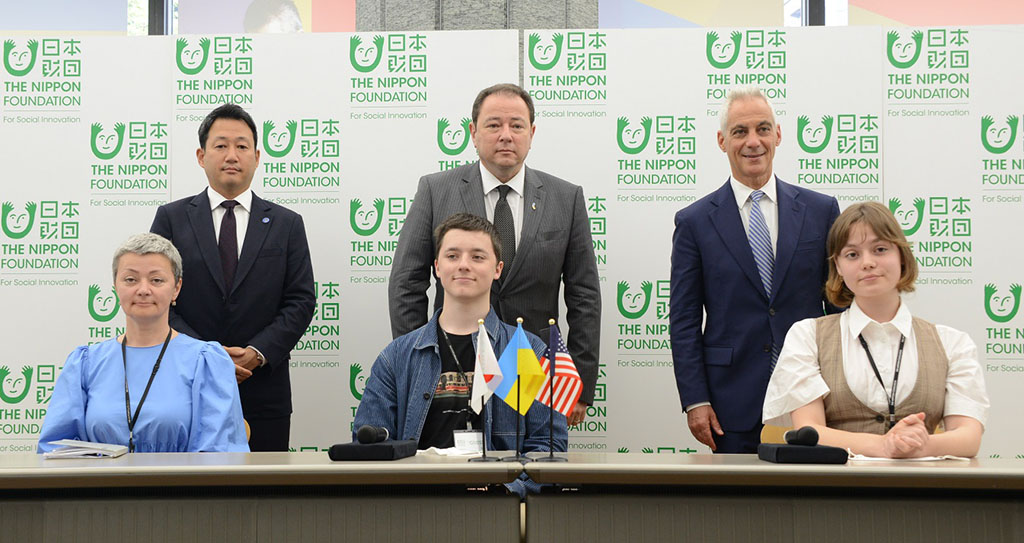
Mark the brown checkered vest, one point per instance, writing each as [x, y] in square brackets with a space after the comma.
[843, 411]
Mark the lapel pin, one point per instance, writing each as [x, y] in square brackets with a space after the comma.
[266, 220]
[534, 206]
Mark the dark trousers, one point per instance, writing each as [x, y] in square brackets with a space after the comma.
[269, 434]
[738, 442]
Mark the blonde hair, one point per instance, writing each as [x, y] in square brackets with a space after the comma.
[881, 221]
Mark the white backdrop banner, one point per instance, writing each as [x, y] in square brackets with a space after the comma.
[99, 131]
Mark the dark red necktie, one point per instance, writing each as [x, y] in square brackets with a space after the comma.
[228, 244]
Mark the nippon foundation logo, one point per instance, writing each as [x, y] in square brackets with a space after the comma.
[40, 236]
[940, 230]
[19, 60]
[764, 60]
[46, 75]
[303, 154]
[230, 55]
[567, 69]
[544, 56]
[633, 139]
[17, 223]
[356, 381]
[1002, 305]
[723, 53]
[453, 140]
[931, 68]
[911, 217]
[633, 303]
[14, 387]
[103, 306]
[998, 138]
[839, 149]
[903, 52]
[391, 70]
[366, 220]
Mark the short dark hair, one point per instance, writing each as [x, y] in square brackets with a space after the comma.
[226, 111]
[510, 89]
[469, 223]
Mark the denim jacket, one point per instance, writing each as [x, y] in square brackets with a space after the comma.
[403, 379]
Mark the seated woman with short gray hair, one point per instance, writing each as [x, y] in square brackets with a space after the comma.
[151, 389]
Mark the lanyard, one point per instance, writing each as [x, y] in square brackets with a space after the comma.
[462, 373]
[127, 400]
[895, 376]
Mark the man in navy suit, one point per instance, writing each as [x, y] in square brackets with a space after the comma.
[247, 277]
[751, 256]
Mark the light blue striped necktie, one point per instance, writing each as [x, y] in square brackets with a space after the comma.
[764, 257]
[761, 242]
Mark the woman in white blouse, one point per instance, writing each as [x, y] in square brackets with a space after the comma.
[875, 379]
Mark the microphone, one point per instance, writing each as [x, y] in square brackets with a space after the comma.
[803, 436]
[376, 434]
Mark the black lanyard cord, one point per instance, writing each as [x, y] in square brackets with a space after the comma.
[895, 376]
[127, 399]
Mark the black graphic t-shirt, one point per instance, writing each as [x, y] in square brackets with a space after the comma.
[449, 410]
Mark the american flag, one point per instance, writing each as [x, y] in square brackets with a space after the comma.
[568, 385]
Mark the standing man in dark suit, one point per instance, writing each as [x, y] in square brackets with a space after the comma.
[543, 225]
[751, 256]
[247, 276]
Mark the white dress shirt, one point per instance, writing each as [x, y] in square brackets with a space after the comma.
[241, 214]
[769, 207]
[515, 196]
[797, 379]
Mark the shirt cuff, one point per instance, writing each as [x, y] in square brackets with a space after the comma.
[693, 406]
[259, 355]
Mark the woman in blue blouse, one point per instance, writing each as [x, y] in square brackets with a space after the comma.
[152, 389]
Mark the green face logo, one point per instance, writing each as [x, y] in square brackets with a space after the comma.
[998, 139]
[813, 139]
[356, 381]
[722, 55]
[272, 140]
[544, 57]
[20, 63]
[910, 219]
[634, 305]
[365, 58]
[452, 141]
[192, 61]
[14, 388]
[102, 308]
[633, 141]
[17, 225]
[1002, 308]
[365, 221]
[106, 146]
[903, 55]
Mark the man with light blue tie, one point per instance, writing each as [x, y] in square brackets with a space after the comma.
[751, 257]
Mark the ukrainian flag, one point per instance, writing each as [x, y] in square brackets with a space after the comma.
[522, 371]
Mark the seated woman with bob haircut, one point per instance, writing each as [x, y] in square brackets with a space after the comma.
[875, 379]
[152, 389]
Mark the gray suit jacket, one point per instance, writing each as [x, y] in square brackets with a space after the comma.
[555, 247]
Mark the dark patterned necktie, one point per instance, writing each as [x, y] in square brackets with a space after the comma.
[505, 226]
[228, 243]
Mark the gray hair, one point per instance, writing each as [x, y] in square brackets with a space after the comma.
[742, 93]
[148, 244]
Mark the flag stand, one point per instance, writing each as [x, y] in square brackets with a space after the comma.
[551, 403]
[518, 457]
[483, 443]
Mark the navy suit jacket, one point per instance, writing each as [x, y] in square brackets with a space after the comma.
[713, 272]
[269, 306]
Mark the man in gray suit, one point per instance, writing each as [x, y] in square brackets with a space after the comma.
[541, 220]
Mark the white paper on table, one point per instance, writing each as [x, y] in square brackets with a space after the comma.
[73, 448]
[861, 458]
[450, 451]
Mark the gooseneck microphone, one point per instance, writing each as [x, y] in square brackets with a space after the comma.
[375, 434]
[802, 436]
